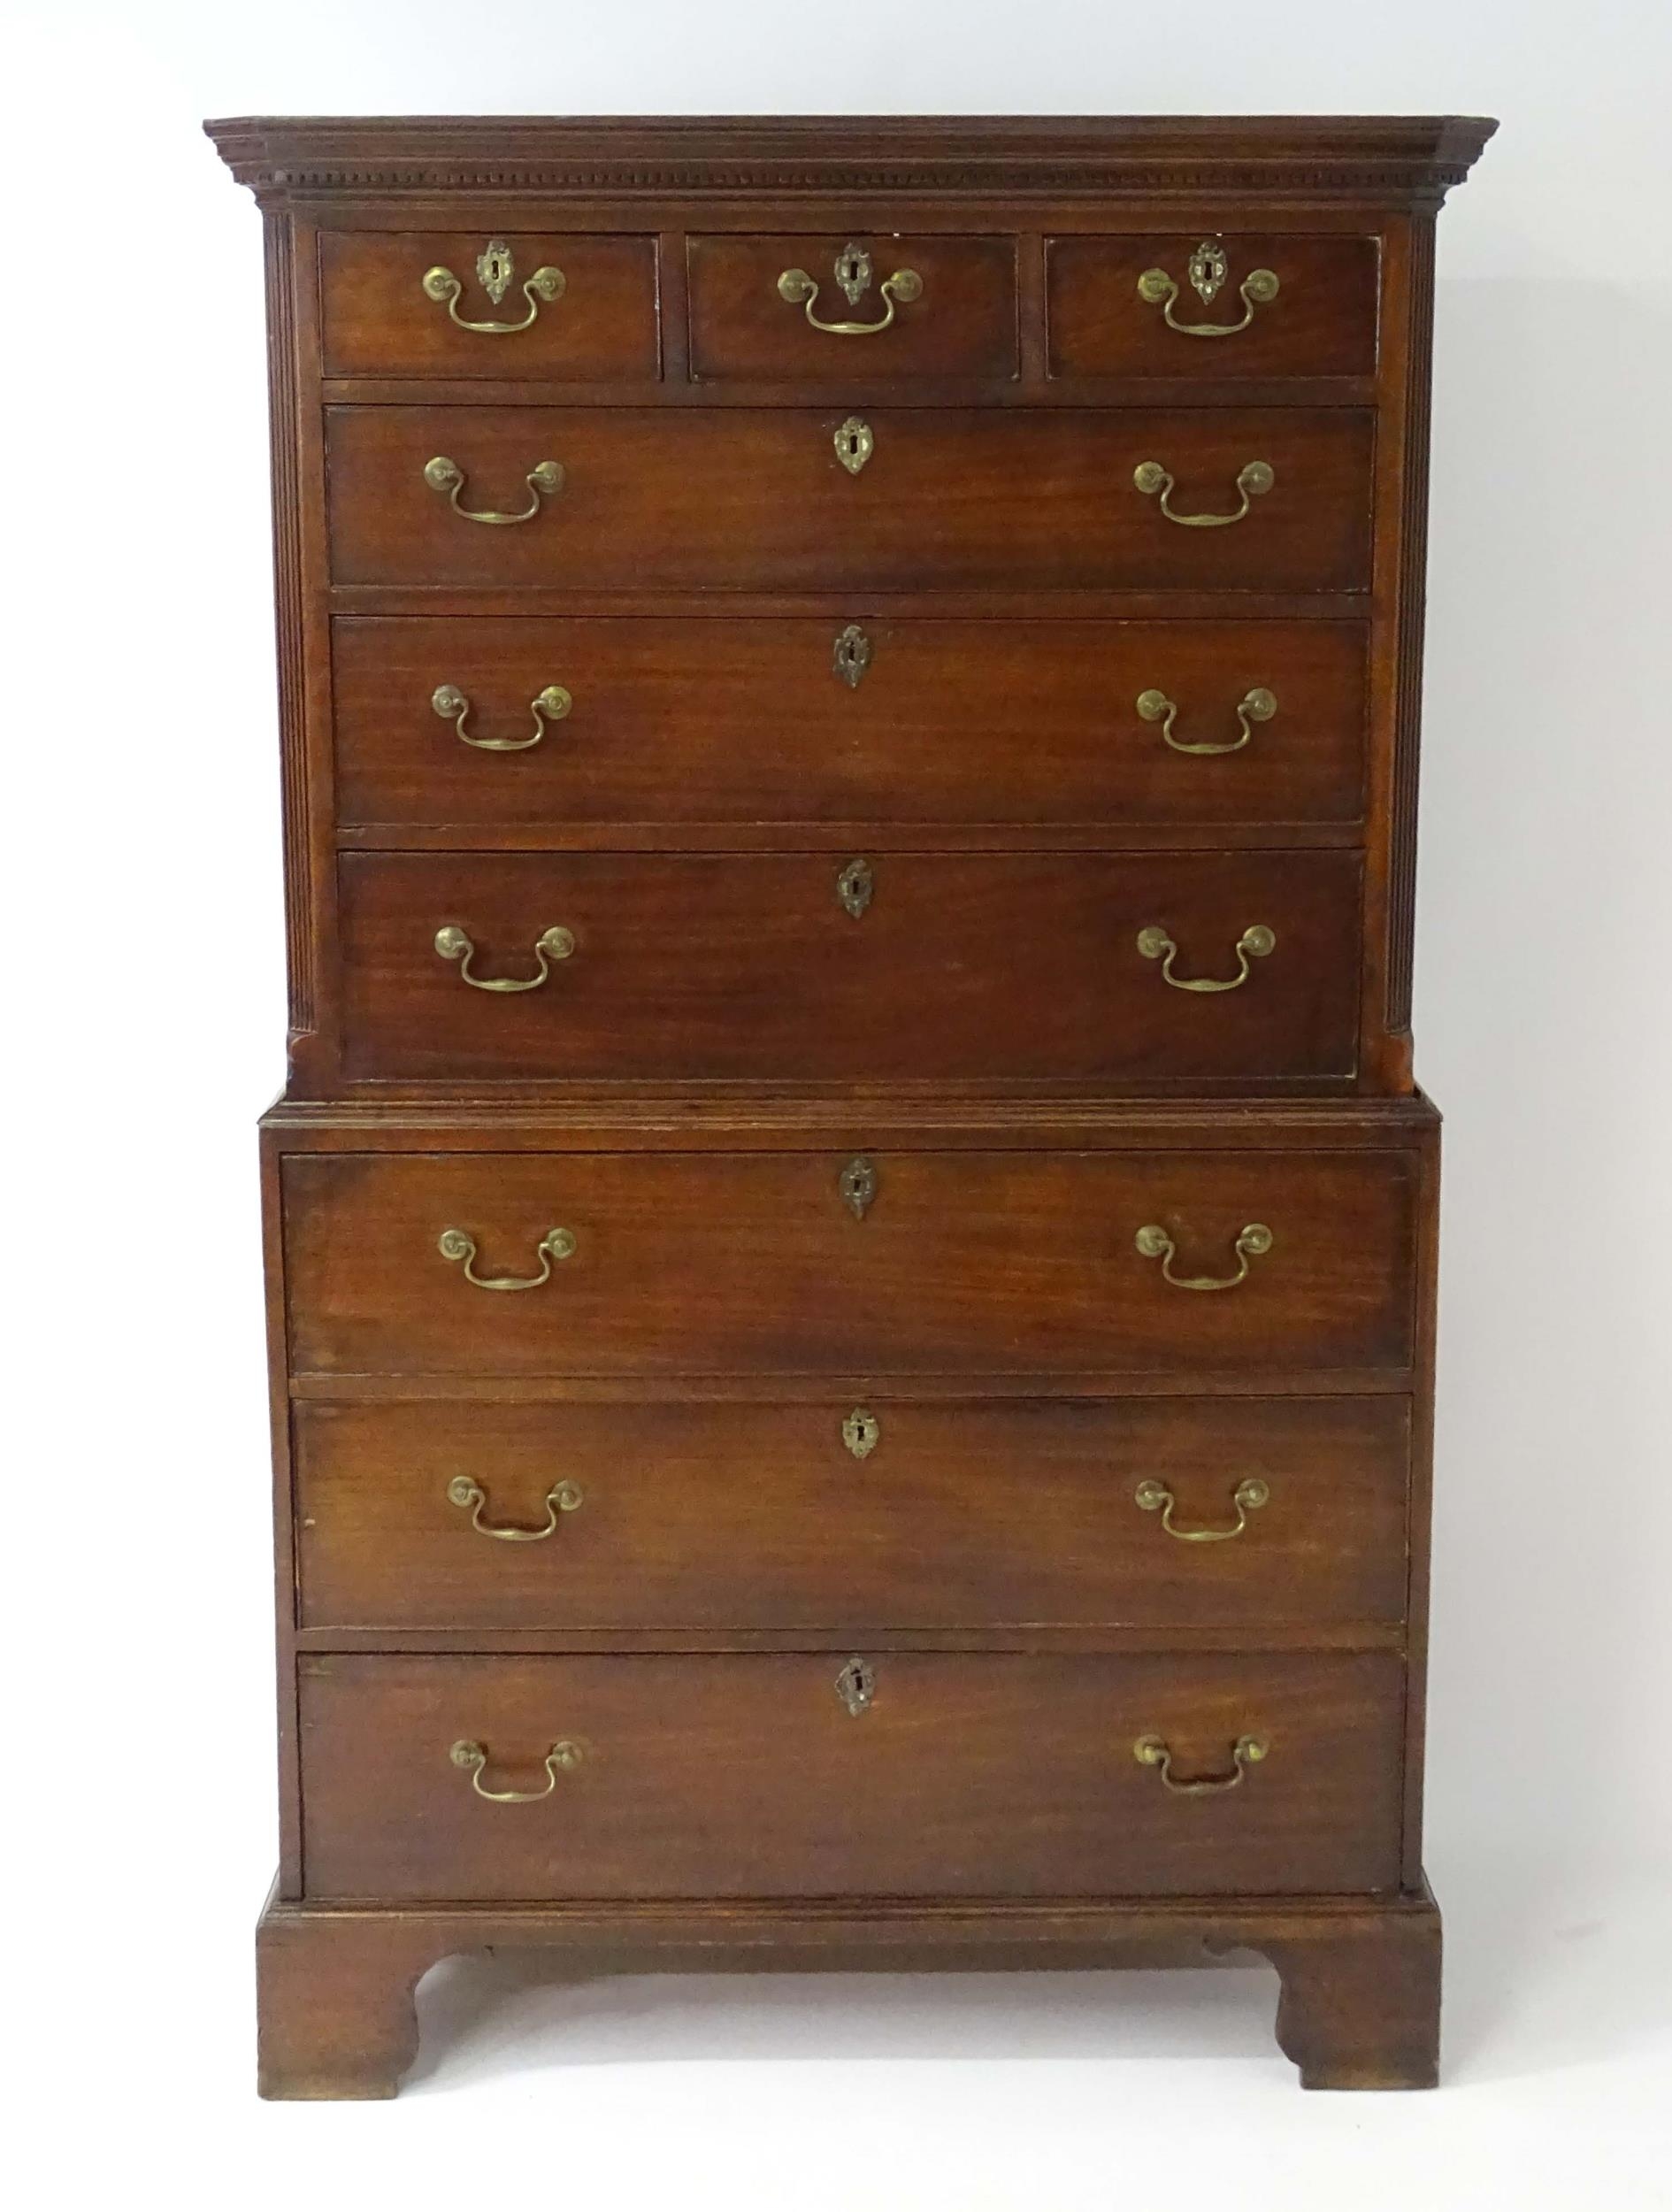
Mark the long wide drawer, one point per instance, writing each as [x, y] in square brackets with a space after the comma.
[846, 1518]
[900, 1774]
[811, 967]
[768, 500]
[903, 1263]
[497, 724]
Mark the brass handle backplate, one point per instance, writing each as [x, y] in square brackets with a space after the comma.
[473, 1758]
[1258, 705]
[494, 270]
[469, 1497]
[556, 1244]
[453, 944]
[1255, 942]
[1253, 1240]
[550, 705]
[853, 275]
[1206, 270]
[1153, 1751]
[544, 481]
[1253, 480]
[1248, 1496]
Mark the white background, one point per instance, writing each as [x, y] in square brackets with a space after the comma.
[146, 1019]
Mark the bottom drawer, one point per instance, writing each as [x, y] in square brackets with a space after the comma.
[928, 1775]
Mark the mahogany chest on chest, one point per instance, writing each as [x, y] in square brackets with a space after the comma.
[852, 1244]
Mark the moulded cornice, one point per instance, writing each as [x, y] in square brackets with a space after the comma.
[1380, 161]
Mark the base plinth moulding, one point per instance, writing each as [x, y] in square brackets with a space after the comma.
[1358, 2008]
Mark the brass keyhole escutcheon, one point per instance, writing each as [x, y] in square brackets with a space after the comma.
[494, 269]
[855, 886]
[854, 444]
[861, 1432]
[1207, 269]
[856, 1686]
[851, 655]
[853, 273]
[857, 1184]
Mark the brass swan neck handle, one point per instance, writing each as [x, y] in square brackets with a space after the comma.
[453, 943]
[1252, 1242]
[1154, 1751]
[495, 270]
[1206, 270]
[1256, 705]
[473, 1758]
[1248, 1496]
[1254, 479]
[1255, 943]
[546, 706]
[469, 1497]
[459, 1247]
[853, 275]
[544, 481]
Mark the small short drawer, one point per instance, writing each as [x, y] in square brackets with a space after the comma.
[886, 721]
[831, 1517]
[864, 308]
[515, 306]
[782, 499]
[881, 1773]
[1181, 304]
[902, 966]
[897, 1263]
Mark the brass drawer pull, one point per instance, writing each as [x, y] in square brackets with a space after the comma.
[494, 270]
[453, 944]
[469, 1497]
[556, 1244]
[545, 481]
[559, 1760]
[1248, 1496]
[1252, 1241]
[1152, 1751]
[1256, 941]
[1252, 481]
[550, 705]
[1206, 270]
[853, 274]
[1258, 705]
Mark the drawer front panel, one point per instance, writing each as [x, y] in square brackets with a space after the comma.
[1319, 320]
[778, 1264]
[987, 1775]
[833, 1518]
[946, 307]
[1020, 966]
[743, 721]
[596, 320]
[734, 499]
